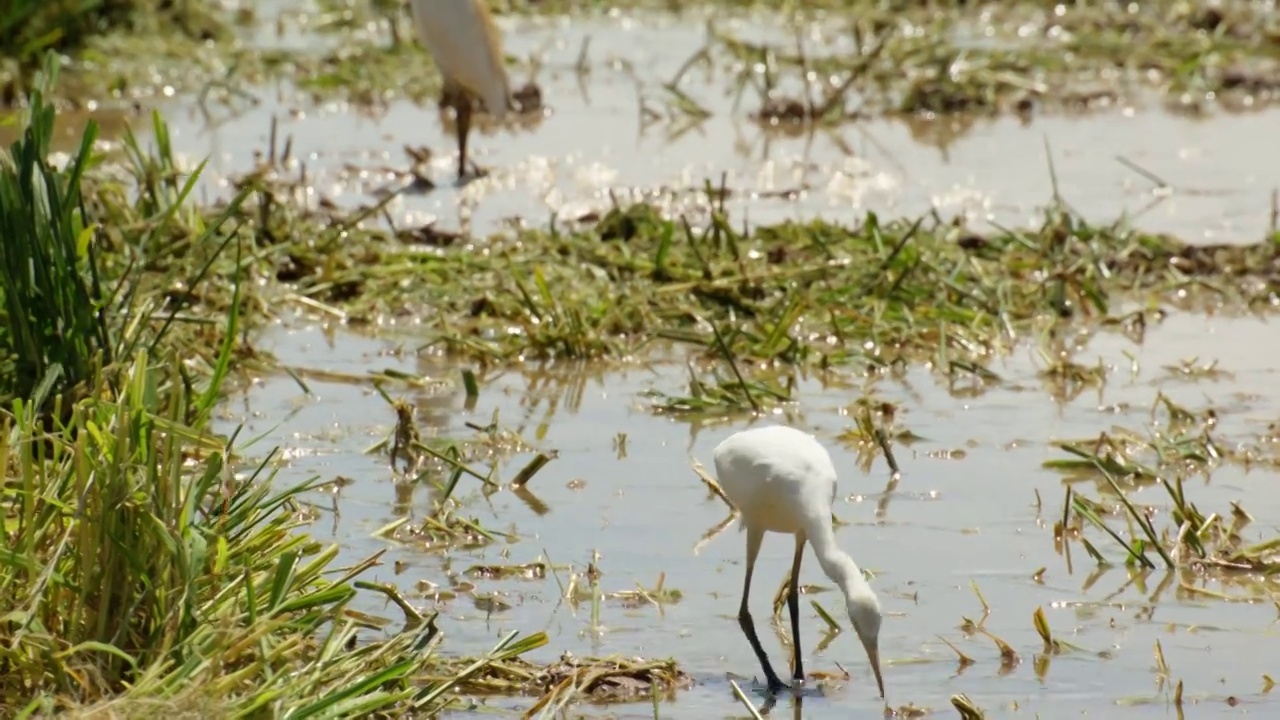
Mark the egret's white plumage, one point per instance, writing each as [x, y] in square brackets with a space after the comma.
[467, 49]
[782, 480]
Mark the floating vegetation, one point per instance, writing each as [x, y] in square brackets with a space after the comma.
[442, 530]
[584, 587]
[966, 708]
[1009, 657]
[442, 465]
[722, 395]
[574, 679]
[751, 306]
[794, 294]
[910, 58]
[876, 429]
[527, 571]
[718, 396]
[1178, 535]
[1178, 442]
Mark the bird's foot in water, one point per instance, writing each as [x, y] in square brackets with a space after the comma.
[475, 173]
[804, 688]
[776, 686]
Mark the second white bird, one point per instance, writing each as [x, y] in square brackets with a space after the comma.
[468, 51]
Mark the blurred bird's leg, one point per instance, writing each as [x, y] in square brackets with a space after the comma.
[462, 118]
[455, 97]
[464, 128]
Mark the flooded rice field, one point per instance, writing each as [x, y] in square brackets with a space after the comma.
[971, 519]
[973, 511]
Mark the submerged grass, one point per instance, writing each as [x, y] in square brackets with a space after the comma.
[905, 57]
[758, 307]
[1175, 535]
[600, 680]
[943, 58]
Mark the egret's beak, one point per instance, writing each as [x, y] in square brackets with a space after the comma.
[873, 654]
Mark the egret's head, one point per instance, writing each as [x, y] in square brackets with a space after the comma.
[864, 613]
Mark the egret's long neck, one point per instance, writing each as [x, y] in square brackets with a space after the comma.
[836, 563]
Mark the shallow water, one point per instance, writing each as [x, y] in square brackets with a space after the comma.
[1202, 179]
[948, 523]
[592, 146]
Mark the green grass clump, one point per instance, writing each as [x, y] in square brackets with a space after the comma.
[54, 324]
[139, 571]
[62, 323]
[140, 574]
[814, 294]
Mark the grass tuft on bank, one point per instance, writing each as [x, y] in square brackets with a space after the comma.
[145, 569]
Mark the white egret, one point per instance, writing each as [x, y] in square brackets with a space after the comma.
[782, 480]
[467, 49]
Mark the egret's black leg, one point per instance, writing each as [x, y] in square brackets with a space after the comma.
[793, 604]
[754, 537]
[462, 110]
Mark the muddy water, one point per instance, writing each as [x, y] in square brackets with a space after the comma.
[985, 519]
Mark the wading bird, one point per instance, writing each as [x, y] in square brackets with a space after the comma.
[782, 480]
[467, 49]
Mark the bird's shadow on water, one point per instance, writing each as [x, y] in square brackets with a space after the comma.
[792, 699]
